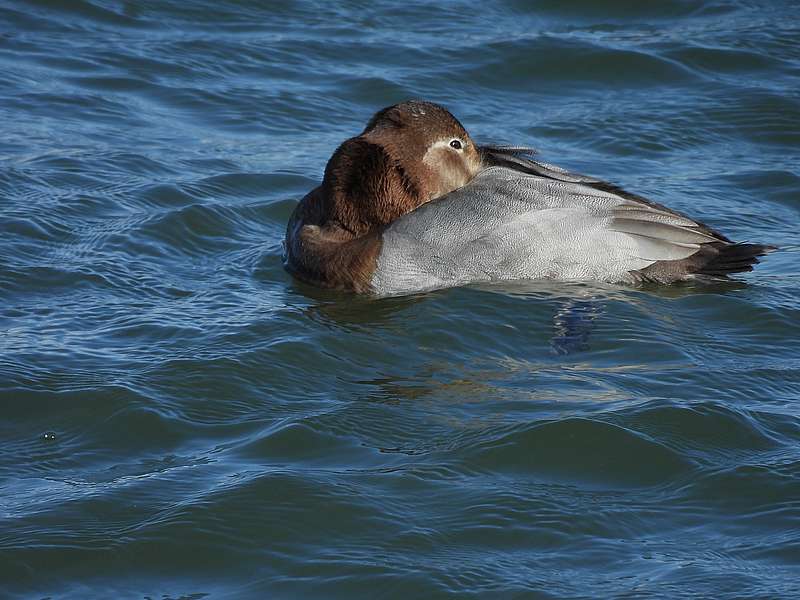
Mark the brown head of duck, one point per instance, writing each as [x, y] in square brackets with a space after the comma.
[409, 154]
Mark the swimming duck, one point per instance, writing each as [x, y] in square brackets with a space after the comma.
[413, 204]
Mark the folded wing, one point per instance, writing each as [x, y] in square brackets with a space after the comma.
[523, 219]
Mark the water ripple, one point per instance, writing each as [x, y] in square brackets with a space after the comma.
[184, 420]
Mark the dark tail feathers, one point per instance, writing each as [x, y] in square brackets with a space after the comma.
[734, 258]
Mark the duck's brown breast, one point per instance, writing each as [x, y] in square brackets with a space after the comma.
[327, 255]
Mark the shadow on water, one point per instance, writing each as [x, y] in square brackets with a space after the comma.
[579, 304]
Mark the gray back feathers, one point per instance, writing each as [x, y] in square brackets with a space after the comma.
[523, 219]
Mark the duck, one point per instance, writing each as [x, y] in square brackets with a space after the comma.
[413, 204]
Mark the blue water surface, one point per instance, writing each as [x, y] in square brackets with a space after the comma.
[183, 420]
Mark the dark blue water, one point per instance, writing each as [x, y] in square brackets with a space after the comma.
[182, 420]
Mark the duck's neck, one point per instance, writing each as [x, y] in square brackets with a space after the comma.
[366, 188]
[334, 237]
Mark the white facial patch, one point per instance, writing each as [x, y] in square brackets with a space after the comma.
[451, 177]
[430, 153]
[428, 158]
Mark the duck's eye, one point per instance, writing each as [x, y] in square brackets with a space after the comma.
[456, 144]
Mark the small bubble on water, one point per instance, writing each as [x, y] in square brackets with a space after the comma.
[49, 436]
